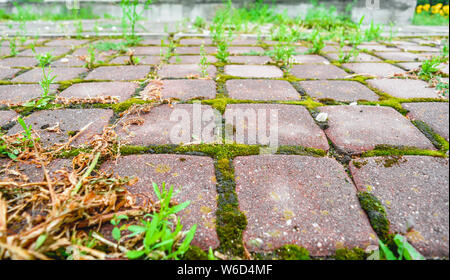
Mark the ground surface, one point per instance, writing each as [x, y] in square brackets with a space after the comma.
[306, 194]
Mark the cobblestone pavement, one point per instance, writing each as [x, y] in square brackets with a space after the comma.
[343, 129]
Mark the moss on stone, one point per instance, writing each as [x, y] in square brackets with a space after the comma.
[376, 213]
[292, 252]
[350, 254]
[195, 253]
[437, 140]
[386, 150]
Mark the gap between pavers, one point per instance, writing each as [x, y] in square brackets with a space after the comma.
[435, 114]
[302, 200]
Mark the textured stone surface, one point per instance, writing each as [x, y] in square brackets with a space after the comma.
[377, 48]
[123, 90]
[414, 191]
[435, 114]
[355, 129]
[338, 90]
[373, 69]
[18, 61]
[185, 71]
[361, 57]
[196, 41]
[254, 71]
[31, 172]
[318, 71]
[55, 51]
[66, 42]
[249, 59]
[7, 73]
[193, 176]
[149, 50]
[69, 61]
[119, 73]
[295, 125]
[68, 121]
[7, 116]
[35, 75]
[299, 200]
[309, 58]
[191, 59]
[171, 125]
[151, 60]
[245, 50]
[399, 56]
[261, 90]
[409, 65]
[417, 48]
[194, 50]
[22, 93]
[187, 89]
[404, 88]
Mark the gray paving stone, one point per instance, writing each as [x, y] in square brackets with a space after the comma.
[22, 93]
[318, 71]
[187, 89]
[192, 176]
[409, 65]
[119, 73]
[7, 73]
[300, 200]
[69, 61]
[185, 71]
[435, 114]
[66, 42]
[400, 56]
[143, 60]
[122, 90]
[377, 48]
[55, 51]
[194, 50]
[196, 41]
[254, 71]
[261, 90]
[414, 191]
[245, 50]
[331, 48]
[68, 121]
[362, 57]
[417, 48]
[373, 69]
[295, 125]
[191, 59]
[338, 90]
[242, 41]
[149, 50]
[7, 116]
[309, 58]
[174, 124]
[18, 62]
[403, 88]
[249, 59]
[356, 129]
[35, 75]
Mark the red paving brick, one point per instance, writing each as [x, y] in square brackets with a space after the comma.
[196, 41]
[404, 88]
[338, 90]
[171, 125]
[417, 48]
[69, 61]
[149, 50]
[378, 48]
[249, 59]
[7, 116]
[435, 114]
[185, 71]
[187, 89]
[356, 129]
[191, 59]
[22, 93]
[35, 75]
[309, 58]
[123, 90]
[253, 71]
[66, 42]
[414, 191]
[194, 50]
[361, 57]
[18, 62]
[193, 176]
[55, 51]
[399, 56]
[151, 60]
[261, 90]
[307, 201]
[373, 69]
[318, 71]
[295, 125]
[119, 73]
[68, 120]
[245, 50]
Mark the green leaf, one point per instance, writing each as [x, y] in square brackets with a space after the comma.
[187, 240]
[385, 251]
[410, 253]
[41, 239]
[156, 189]
[211, 256]
[116, 233]
[135, 254]
[179, 207]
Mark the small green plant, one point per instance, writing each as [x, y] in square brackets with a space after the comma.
[91, 61]
[46, 81]
[79, 29]
[43, 59]
[373, 32]
[429, 67]
[12, 46]
[12, 150]
[162, 231]
[117, 231]
[404, 251]
[203, 62]
[283, 53]
[199, 23]
[442, 87]
[130, 18]
[317, 42]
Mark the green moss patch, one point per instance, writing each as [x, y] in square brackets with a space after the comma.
[376, 213]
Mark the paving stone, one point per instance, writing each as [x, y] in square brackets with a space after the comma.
[119, 73]
[187, 89]
[356, 129]
[8, 73]
[192, 176]
[331, 48]
[61, 73]
[30, 172]
[435, 114]
[378, 48]
[414, 191]
[261, 90]
[194, 50]
[373, 69]
[68, 120]
[409, 65]
[362, 57]
[191, 59]
[18, 62]
[242, 41]
[69, 61]
[318, 71]
[246, 50]
[249, 59]
[66, 42]
[196, 41]
[185, 71]
[100, 55]
[149, 50]
[309, 58]
[254, 71]
[295, 125]
[302, 200]
[55, 51]
[174, 124]
[143, 60]
[338, 90]
[22, 93]
[400, 56]
[404, 88]
[7, 116]
[417, 48]
[444, 68]
[123, 90]
[152, 41]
